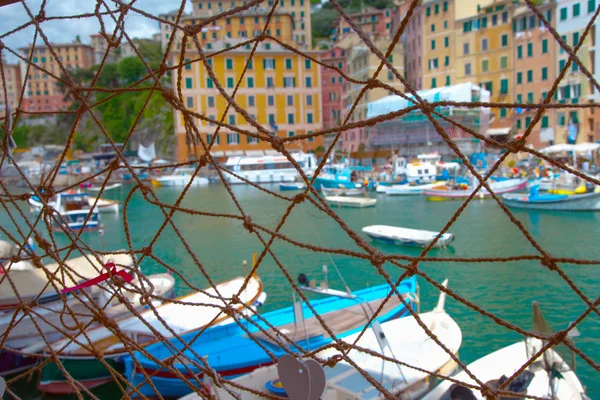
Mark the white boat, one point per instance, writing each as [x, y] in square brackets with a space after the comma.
[408, 189]
[548, 377]
[73, 212]
[292, 186]
[268, 169]
[407, 237]
[106, 188]
[43, 324]
[344, 191]
[355, 202]
[181, 180]
[188, 313]
[402, 339]
[105, 205]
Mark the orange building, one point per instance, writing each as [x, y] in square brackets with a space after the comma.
[535, 71]
[41, 88]
[12, 84]
[373, 22]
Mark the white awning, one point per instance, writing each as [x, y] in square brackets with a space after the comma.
[271, 152]
[255, 153]
[235, 153]
[578, 148]
[498, 131]
[217, 153]
[584, 147]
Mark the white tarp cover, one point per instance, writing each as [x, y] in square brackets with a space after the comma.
[578, 148]
[459, 93]
[147, 154]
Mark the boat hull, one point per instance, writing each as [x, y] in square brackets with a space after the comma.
[12, 362]
[407, 237]
[502, 187]
[181, 180]
[291, 186]
[352, 202]
[87, 372]
[578, 202]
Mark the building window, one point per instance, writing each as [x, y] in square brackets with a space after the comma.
[484, 22]
[188, 66]
[504, 40]
[561, 119]
[270, 82]
[437, 8]
[270, 101]
[251, 139]
[504, 86]
[561, 64]
[544, 46]
[484, 65]
[290, 100]
[188, 83]
[428, 11]
[290, 118]
[309, 99]
[520, 98]
[445, 6]
[288, 82]
[564, 39]
[446, 41]
[591, 6]
[308, 82]
[484, 44]
[209, 136]
[210, 101]
[530, 76]
[250, 81]
[530, 97]
[447, 61]
[233, 138]
[250, 101]
[433, 83]
[518, 124]
[291, 134]
[309, 118]
[269, 63]
[529, 49]
[563, 13]
[503, 62]
[230, 83]
[503, 112]
[189, 102]
[209, 83]
[272, 119]
[232, 120]
[519, 78]
[288, 63]
[432, 27]
[468, 69]
[545, 123]
[307, 64]
[576, 9]
[466, 48]
[575, 39]
[447, 80]
[544, 73]
[433, 45]
[519, 52]
[229, 63]
[527, 122]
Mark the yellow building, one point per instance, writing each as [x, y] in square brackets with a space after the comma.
[484, 46]
[438, 32]
[280, 89]
[298, 9]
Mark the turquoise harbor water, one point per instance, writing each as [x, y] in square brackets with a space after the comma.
[504, 289]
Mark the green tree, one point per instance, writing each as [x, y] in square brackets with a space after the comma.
[131, 69]
[151, 52]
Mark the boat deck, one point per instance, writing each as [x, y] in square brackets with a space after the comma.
[338, 321]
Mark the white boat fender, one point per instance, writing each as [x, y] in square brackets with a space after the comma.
[261, 300]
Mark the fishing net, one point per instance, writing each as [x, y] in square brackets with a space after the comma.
[187, 49]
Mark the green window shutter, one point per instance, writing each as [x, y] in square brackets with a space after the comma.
[504, 86]
[561, 64]
[575, 38]
[519, 51]
[544, 46]
[447, 60]
[229, 62]
[445, 8]
[504, 62]
[288, 63]
[503, 112]
[307, 64]
[545, 121]
[187, 66]
[576, 9]
[520, 98]
[504, 40]
[591, 6]
[433, 45]
[433, 83]
[250, 82]
[530, 97]
[446, 42]
[448, 80]
[428, 12]
[527, 122]
[230, 82]
[574, 67]
[209, 83]
[518, 124]
[563, 13]
[530, 75]
[484, 65]
[519, 78]
[529, 49]
[188, 83]
[544, 73]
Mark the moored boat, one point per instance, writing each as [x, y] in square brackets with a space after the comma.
[232, 352]
[555, 202]
[106, 188]
[353, 202]
[409, 189]
[462, 191]
[180, 180]
[292, 186]
[104, 205]
[548, 377]
[268, 168]
[185, 314]
[73, 212]
[406, 237]
[343, 191]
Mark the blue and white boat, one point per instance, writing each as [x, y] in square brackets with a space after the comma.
[73, 211]
[231, 352]
[292, 186]
[337, 176]
[407, 237]
[556, 202]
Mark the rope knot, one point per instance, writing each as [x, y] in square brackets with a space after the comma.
[299, 198]
[147, 251]
[145, 190]
[43, 243]
[332, 361]
[171, 97]
[202, 161]
[487, 393]
[550, 264]
[560, 337]
[377, 259]
[277, 144]
[248, 224]
[516, 146]
[41, 17]
[114, 164]
[191, 30]
[235, 299]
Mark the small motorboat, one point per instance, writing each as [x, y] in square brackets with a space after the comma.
[354, 202]
[106, 188]
[292, 186]
[403, 339]
[73, 212]
[453, 191]
[236, 349]
[104, 205]
[180, 180]
[407, 237]
[344, 191]
[409, 189]
[187, 314]
[548, 377]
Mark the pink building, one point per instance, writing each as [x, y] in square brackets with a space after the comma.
[373, 22]
[413, 44]
[332, 85]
